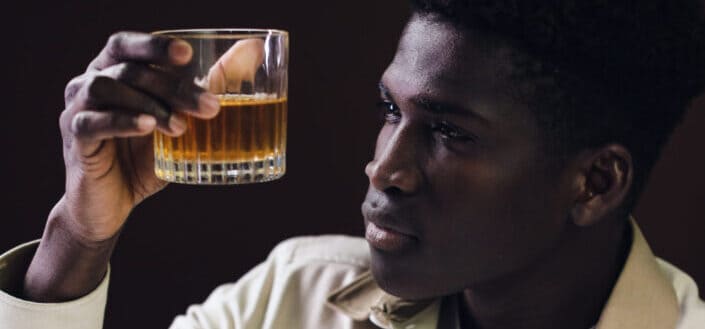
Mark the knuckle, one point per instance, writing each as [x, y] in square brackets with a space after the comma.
[115, 44]
[115, 39]
[64, 120]
[72, 88]
[81, 125]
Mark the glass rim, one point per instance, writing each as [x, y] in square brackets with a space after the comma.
[222, 32]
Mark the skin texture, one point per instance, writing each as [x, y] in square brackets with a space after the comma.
[489, 214]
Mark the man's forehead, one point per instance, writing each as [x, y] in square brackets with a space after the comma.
[438, 58]
[442, 54]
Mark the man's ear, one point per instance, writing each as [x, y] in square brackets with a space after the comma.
[603, 181]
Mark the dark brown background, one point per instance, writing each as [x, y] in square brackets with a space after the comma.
[183, 242]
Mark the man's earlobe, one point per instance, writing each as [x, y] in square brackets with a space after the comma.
[604, 183]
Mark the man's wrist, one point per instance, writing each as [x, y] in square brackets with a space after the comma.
[63, 225]
[66, 265]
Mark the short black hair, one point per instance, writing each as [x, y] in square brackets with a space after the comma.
[622, 71]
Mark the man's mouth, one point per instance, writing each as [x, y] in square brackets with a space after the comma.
[387, 239]
[389, 227]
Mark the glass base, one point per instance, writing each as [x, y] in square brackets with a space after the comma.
[203, 172]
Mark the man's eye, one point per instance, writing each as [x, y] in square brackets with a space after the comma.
[450, 132]
[390, 112]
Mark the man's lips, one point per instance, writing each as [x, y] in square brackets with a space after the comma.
[387, 239]
[389, 226]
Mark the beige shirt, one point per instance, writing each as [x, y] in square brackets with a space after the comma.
[324, 282]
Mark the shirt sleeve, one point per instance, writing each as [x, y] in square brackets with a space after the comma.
[239, 305]
[84, 313]
[288, 290]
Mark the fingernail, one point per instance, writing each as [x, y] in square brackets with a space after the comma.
[146, 122]
[180, 52]
[177, 124]
[208, 103]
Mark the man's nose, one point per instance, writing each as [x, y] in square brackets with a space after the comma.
[395, 167]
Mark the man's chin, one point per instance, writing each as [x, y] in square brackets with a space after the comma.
[399, 280]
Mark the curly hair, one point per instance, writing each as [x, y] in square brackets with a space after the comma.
[621, 71]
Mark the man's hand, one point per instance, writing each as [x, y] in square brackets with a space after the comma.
[136, 84]
[131, 88]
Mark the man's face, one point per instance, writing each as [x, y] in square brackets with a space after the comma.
[460, 192]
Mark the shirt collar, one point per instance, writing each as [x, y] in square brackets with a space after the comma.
[642, 297]
[363, 299]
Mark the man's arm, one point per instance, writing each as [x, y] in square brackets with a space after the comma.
[132, 88]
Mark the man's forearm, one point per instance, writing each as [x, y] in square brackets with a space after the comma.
[64, 267]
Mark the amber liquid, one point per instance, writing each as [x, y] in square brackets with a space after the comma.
[244, 143]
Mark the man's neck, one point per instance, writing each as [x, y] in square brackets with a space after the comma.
[567, 288]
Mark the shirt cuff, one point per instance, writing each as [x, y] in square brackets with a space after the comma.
[83, 313]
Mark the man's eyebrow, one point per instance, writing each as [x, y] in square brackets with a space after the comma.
[437, 107]
[440, 107]
[384, 91]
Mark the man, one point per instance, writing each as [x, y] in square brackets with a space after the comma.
[517, 137]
